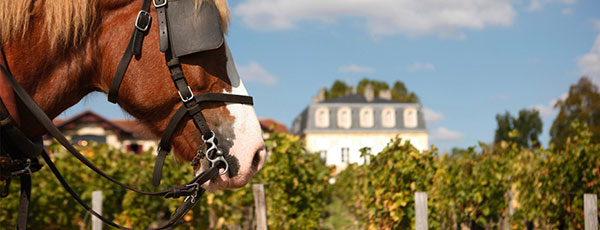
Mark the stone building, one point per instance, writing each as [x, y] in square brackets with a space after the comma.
[340, 127]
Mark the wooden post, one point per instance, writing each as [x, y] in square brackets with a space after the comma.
[421, 211]
[261, 206]
[97, 206]
[590, 207]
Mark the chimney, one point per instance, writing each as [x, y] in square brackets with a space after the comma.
[320, 96]
[369, 93]
[385, 94]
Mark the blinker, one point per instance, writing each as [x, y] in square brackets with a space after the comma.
[193, 30]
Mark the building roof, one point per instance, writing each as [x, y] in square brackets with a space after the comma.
[270, 125]
[127, 127]
[305, 121]
[358, 98]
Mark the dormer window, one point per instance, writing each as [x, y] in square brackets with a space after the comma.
[366, 117]
[344, 117]
[388, 117]
[410, 118]
[322, 117]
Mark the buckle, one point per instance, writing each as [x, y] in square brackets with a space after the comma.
[195, 187]
[213, 162]
[141, 24]
[159, 5]
[24, 171]
[188, 98]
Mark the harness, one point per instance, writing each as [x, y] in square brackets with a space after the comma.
[179, 26]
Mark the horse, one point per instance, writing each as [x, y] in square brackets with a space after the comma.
[61, 50]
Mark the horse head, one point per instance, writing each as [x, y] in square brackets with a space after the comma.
[60, 51]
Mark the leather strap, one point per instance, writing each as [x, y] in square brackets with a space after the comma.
[134, 47]
[164, 147]
[142, 24]
[24, 202]
[179, 213]
[39, 114]
[163, 29]
[115, 84]
[26, 148]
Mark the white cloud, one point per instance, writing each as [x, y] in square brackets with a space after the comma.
[443, 134]
[562, 97]
[254, 72]
[549, 110]
[544, 110]
[421, 66]
[432, 116]
[382, 17]
[355, 69]
[589, 64]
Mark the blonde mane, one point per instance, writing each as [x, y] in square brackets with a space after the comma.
[66, 22]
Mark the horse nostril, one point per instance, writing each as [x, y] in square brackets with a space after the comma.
[256, 160]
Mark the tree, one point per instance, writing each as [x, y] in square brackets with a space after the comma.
[524, 130]
[582, 104]
[338, 89]
[400, 93]
[377, 85]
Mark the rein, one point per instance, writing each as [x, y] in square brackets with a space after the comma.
[22, 155]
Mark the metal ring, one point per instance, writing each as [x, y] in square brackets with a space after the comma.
[189, 98]
[159, 5]
[220, 158]
[137, 20]
[211, 138]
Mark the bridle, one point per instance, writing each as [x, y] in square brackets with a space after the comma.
[19, 157]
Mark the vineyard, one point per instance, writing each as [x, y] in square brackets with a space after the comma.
[471, 187]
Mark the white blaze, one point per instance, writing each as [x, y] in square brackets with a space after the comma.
[248, 135]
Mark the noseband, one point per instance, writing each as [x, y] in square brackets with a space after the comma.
[21, 157]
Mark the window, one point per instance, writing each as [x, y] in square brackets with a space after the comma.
[388, 117]
[344, 117]
[410, 118]
[322, 117]
[323, 155]
[345, 155]
[135, 148]
[366, 117]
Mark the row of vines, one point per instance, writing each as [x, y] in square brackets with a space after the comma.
[473, 187]
[295, 183]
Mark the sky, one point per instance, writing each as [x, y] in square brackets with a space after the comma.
[467, 60]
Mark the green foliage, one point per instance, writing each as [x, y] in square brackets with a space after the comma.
[523, 131]
[472, 186]
[551, 182]
[378, 86]
[338, 89]
[382, 192]
[296, 187]
[296, 183]
[583, 105]
[469, 187]
[53, 208]
[399, 91]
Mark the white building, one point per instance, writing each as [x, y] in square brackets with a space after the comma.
[127, 135]
[340, 127]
